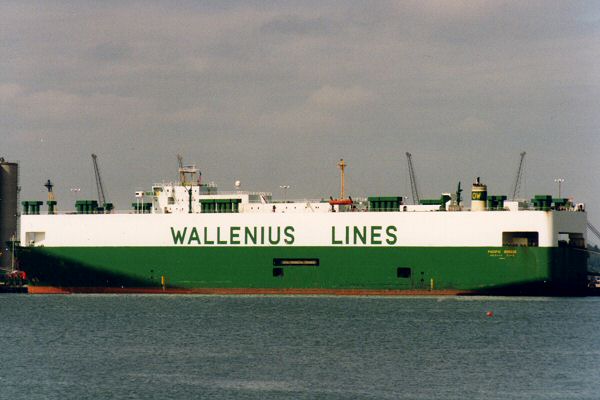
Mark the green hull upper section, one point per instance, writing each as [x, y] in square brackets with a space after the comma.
[521, 270]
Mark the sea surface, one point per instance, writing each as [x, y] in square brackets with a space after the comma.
[274, 347]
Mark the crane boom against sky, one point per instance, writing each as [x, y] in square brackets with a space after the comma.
[413, 180]
[519, 178]
[593, 229]
[99, 186]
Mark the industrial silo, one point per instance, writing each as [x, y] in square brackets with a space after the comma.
[9, 186]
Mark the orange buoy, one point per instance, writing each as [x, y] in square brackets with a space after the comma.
[489, 314]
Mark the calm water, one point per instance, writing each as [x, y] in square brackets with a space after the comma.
[163, 347]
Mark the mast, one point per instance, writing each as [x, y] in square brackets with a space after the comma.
[49, 185]
[342, 165]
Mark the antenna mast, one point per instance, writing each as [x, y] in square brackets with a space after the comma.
[49, 185]
[186, 170]
[180, 170]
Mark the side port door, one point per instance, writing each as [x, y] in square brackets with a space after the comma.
[404, 277]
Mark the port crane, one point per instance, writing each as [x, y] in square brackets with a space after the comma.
[99, 186]
[413, 180]
[519, 177]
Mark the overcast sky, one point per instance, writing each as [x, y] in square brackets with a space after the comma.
[274, 93]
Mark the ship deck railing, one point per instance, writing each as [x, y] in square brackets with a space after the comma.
[73, 212]
[298, 201]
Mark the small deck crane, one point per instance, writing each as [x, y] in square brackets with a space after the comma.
[101, 195]
[413, 180]
[519, 178]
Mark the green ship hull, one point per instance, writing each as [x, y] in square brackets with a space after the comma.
[318, 269]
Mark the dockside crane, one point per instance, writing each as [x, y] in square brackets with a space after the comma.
[101, 195]
[413, 180]
[519, 177]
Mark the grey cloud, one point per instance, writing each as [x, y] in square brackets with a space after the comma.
[296, 25]
[109, 52]
[293, 87]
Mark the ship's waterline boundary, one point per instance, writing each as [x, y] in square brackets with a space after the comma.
[245, 291]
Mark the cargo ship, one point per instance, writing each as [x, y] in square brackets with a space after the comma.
[189, 237]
